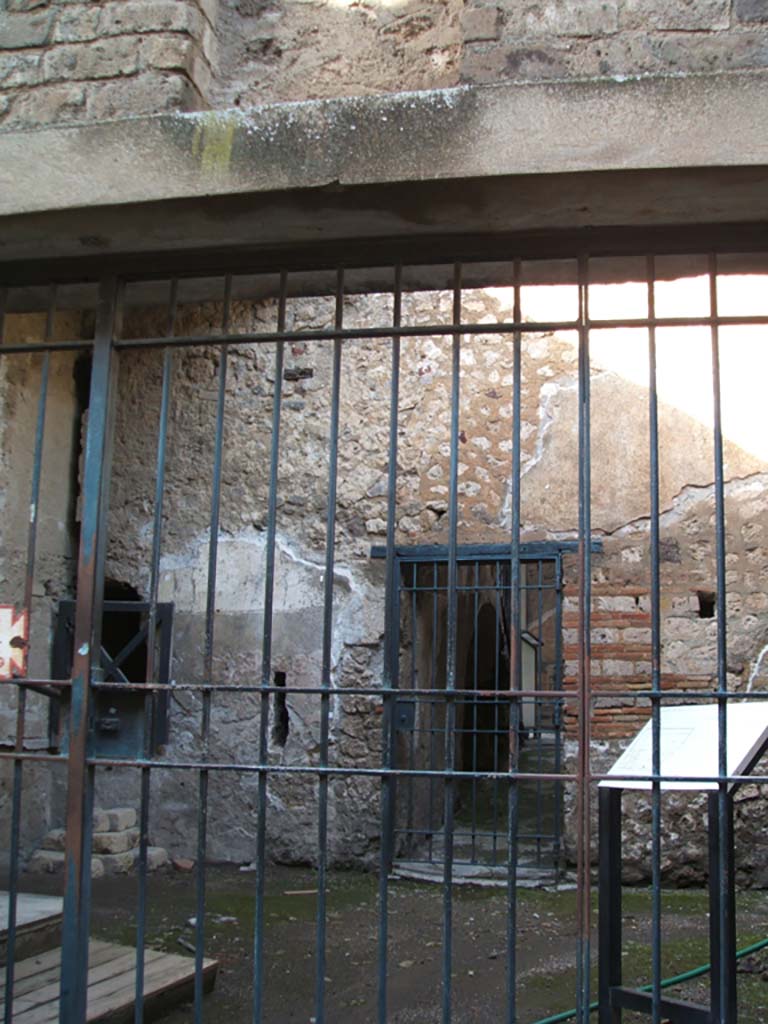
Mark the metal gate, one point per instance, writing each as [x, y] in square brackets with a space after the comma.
[486, 735]
[116, 317]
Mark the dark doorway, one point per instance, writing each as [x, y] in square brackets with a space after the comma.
[487, 725]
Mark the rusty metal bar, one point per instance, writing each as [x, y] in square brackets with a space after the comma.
[90, 588]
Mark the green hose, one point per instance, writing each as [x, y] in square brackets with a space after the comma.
[678, 979]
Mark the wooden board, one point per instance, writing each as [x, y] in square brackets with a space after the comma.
[168, 980]
[38, 923]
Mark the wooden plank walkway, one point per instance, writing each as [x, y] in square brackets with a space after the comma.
[168, 980]
[38, 923]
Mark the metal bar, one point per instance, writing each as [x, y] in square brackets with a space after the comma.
[497, 639]
[433, 705]
[676, 1011]
[722, 647]
[584, 909]
[451, 655]
[210, 622]
[653, 422]
[419, 331]
[557, 713]
[529, 550]
[41, 346]
[537, 703]
[702, 782]
[266, 662]
[412, 732]
[21, 692]
[151, 702]
[391, 657]
[330, 539]
[475, 688]
[515, 659]
[77, 868]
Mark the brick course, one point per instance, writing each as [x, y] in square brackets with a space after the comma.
[64, 61]
[213, 54]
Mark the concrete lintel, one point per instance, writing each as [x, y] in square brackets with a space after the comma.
[606, 124]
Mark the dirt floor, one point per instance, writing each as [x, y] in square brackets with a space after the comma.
[546, 945]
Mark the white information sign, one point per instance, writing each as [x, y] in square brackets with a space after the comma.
[689, 745]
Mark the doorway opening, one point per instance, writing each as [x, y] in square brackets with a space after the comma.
[475, 728]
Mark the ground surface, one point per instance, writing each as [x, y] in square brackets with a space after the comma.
[546, 946]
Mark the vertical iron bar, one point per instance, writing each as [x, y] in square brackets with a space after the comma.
[411, 783]
[558, 711]
[653, 418]
[90, 590]
[584, 908]
[537, 705]
[330, 538]
[496, 724]
[433, 706]
[210, 617]
[266, 661]
[450, 678]
[722, 650]
[391, 655]
[475, 687]
[150, 702]
[515, 659]
[21, 692]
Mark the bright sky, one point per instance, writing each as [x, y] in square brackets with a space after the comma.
[684, 354]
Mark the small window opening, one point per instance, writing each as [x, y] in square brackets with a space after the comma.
[706, 604]
[280, 722]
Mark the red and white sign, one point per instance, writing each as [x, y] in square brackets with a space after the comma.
[13, 642]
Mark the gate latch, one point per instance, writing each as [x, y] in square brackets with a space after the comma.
[405, 715]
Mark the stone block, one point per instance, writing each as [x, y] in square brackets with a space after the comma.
[103, 59]
[147, 93]
[750, 10]
[46, 862]
[481, 24]
[21, 31]
[19, 69]
[115, 842]
[49, 104]
[55, 840]
[77, 24]
[142, 16]
[100, 821]
[121, 818]
[683, 15]
[157, 858]
[119, 863]
[171, 52]
[560, 18]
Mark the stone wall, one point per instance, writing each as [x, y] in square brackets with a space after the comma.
[63, 61]
[621, 571]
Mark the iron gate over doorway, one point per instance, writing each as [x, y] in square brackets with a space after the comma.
[249, 424]
[486, 734]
